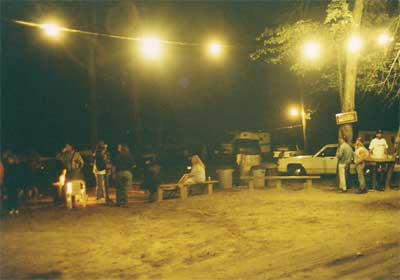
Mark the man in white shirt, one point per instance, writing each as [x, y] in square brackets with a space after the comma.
[378, 146]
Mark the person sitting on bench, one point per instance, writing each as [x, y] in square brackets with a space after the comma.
[197, 173]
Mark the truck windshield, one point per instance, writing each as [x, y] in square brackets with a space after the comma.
[247, 146]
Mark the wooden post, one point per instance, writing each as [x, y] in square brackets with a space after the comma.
[309, 184]
[209, 188]
[160, 194]
[251, 185]
[183, 191]
[389, 176]
[374, 173]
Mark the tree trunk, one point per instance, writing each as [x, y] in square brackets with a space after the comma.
[136, 113]
[348, 100]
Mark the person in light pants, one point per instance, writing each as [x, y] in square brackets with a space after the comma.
[344, 155]
[360, 154]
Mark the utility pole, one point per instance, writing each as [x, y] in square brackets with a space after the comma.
[136, 113]
[91, 70]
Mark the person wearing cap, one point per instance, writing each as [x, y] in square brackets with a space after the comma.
[378, 146]
[360, 154]
[344, 155]
[72, 161]
[378, 149]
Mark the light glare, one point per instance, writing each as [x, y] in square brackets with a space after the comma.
[354, 44]
[384, 39]
[294, 112]
[312, 50]
[51, 30]
[215, 49]
[150, 48]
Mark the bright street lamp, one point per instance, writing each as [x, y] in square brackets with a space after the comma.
[384, 39]
[294, 112]
[354, 44]
[51, 30]
[215, 49]
[311, 50]
[150, 48]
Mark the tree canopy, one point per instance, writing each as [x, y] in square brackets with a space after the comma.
[378, 64]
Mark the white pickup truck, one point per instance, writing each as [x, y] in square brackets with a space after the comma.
[323, 162]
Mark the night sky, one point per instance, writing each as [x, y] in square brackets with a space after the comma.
[185, 98]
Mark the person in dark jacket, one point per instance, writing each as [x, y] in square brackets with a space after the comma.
[123, 164]
[72, 161]
[99, 169]
[11, 184]
[152, 180]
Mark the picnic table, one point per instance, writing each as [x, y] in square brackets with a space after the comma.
[374, 163]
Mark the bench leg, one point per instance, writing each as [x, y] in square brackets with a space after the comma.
[209, 189]
[309, 184]
[160, 194]
[251, 185]
[278, 184]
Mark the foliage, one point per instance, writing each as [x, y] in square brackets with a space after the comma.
[378, 68]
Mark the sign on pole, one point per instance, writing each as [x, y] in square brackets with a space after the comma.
[348, 117]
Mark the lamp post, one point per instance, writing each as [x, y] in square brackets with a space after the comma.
[304, 114]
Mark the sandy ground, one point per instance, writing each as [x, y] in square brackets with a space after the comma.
[261, 234]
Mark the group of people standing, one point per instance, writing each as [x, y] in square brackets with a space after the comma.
[121, 169]
[103, 168]
[377, 150]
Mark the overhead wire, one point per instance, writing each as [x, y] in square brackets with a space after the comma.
[120, 37]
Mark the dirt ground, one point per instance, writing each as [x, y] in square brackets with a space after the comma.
[239, 234]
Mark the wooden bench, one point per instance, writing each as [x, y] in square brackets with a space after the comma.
[183, 188]
[279, 179]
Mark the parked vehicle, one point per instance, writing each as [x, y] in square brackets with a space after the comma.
[322, 162]
[254, 142]
[285, 152]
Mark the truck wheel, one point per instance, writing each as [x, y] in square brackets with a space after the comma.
[296, 170]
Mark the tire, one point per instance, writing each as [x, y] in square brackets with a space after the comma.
[296, 170]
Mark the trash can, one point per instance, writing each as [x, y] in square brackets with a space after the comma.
[225, 178]
[258, 174]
